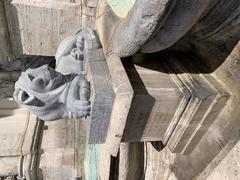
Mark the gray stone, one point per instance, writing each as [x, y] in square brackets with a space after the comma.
[65, 92]
[71, 55]
[51, 95]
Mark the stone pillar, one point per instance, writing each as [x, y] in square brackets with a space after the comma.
[5, 45]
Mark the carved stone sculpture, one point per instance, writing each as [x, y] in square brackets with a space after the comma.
[152, 26]
[51, 95]
[65, 92]
[72, 53]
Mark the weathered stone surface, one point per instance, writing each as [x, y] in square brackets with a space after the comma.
[125, 35]
[74, 52]
[228, 168]
[131, 161]
[89, 10]
[15, 123]
[158, 102]
[9, 166]
[206, 31]
[217, 141]
[173, 101]
[5, 45]
[181, 17]
[155, 26]
[51, 95]
[37, 27]
[122, 103]
[63, 154]
[81, 53]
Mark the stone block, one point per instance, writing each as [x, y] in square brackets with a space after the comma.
[37, 27]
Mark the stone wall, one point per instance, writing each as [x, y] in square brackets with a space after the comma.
[37, 27]
[5, 45]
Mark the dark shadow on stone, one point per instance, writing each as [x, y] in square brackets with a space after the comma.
[134, 128]
[33, 169]
[152, 61]
[114, 168]
[206, 56]
[13, 23]
[24, 62]
[158, 145]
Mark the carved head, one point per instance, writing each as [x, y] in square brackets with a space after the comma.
[41, 90]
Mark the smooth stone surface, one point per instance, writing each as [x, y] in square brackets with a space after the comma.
[121, 7]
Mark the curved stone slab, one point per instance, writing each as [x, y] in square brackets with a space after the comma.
[125, 35]
[139, 25]
[182, 17]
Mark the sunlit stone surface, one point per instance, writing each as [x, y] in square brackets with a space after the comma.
[121, 7]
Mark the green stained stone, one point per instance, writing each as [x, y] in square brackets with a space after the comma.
[121, 7]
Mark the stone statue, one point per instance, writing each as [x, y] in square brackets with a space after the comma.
[65, 92]
[51, 95]
[72, 53]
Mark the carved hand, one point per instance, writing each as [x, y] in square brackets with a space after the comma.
[78, 97]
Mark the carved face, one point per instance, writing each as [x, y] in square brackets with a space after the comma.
[43, 91]
[37, 84]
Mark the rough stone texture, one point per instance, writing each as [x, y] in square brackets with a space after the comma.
[75, 51]
[229, 167]
[123, 98]
[161, 24]
[124, 36]
[181, 17]
[50, 95]
[207, 32]
[151, 26]
[131, 161]
[63, 145]
[209, 36]
[5, 46]
[37, 27]
[9, 165]
[89, 10]
[24, 62]
[134, 30]
[173, 101]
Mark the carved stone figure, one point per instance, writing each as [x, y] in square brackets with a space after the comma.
[65, 92]
[51, 95]
[202, 26]
[71, 55]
